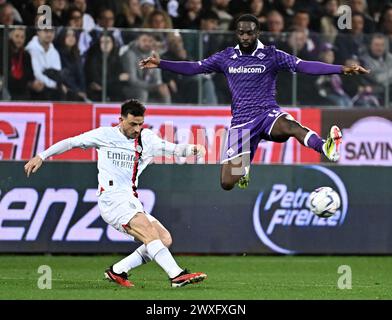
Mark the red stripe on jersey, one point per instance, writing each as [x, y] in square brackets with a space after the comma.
[135, 166]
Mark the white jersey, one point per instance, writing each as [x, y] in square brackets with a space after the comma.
[122, 160]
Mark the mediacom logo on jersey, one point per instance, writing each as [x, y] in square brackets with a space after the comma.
[282, 215]
[248, 69]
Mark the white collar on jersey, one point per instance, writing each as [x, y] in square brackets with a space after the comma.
[260, 45]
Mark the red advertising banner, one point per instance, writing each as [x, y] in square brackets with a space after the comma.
[29, 128]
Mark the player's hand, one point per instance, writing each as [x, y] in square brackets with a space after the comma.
[355, 69]
[33, 165]
[152, 61]
[199, 150]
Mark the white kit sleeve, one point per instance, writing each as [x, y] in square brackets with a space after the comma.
[89, 139]
[161, 147]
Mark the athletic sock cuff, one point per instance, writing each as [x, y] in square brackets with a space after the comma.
[308, 135]
[154, 247]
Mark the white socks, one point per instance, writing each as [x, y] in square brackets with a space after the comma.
[138, 257]
[155, 250]
[163, 257]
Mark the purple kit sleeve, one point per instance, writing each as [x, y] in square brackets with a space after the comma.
[208, 65]
[183, 67]
[315, 67]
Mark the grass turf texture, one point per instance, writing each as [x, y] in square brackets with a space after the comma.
[229, 277]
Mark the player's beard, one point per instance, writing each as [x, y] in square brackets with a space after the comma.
[249, 49]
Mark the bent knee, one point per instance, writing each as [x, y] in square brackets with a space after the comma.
[227, 185]
[167, 239]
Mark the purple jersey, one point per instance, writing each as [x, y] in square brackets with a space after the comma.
[251, 77]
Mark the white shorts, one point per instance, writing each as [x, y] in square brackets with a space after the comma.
[117, 208]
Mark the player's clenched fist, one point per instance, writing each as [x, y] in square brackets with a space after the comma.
[33, 165]
[150, 62]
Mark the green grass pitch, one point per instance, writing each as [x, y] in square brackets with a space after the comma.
[229, 277]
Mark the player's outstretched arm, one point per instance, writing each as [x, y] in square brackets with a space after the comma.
[183, 67]
[35, 163]
[321, 68]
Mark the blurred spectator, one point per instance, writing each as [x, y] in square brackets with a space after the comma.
[20, 72]
[172, 8]
[329, 20]
[189, 15]
[353, 42]
[379, 61]
[147, 7]
[116, 77]
[256, 7]
[159, 19]
[287, 10]
[28, 10]
[306, 91]
[130, 16]
[273, 34]
[365, 98]
[46, 65]
[106, 21]
[360, 6]
[221, 9]
[143, 84]
[298, 44]
[59, 8]
[377, 8]
[330, 87]
[75, 21]
[88, 21]
[301, 22]
[72, 71]
[182, 88]
[386, 25]
[95, 6]
[7, 15]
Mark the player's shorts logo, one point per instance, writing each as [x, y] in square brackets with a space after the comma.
[230, 152]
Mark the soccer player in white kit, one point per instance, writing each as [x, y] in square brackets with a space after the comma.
[124, 152]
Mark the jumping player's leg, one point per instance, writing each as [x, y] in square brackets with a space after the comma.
[286, 127]
[140, 255]
[231, 173]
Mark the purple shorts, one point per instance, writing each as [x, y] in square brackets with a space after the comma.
[244, 138]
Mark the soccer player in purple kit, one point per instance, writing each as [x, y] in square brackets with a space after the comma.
[251, 69]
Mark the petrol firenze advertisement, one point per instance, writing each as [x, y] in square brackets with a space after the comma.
[367, 135]
[55, 210]
[29, 128]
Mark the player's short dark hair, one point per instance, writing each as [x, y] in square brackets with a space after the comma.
[133, 107]
[248, 18]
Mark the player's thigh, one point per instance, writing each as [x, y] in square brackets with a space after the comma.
[142, 228]
[284, 128]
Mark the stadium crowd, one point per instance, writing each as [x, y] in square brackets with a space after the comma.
[64, 63]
